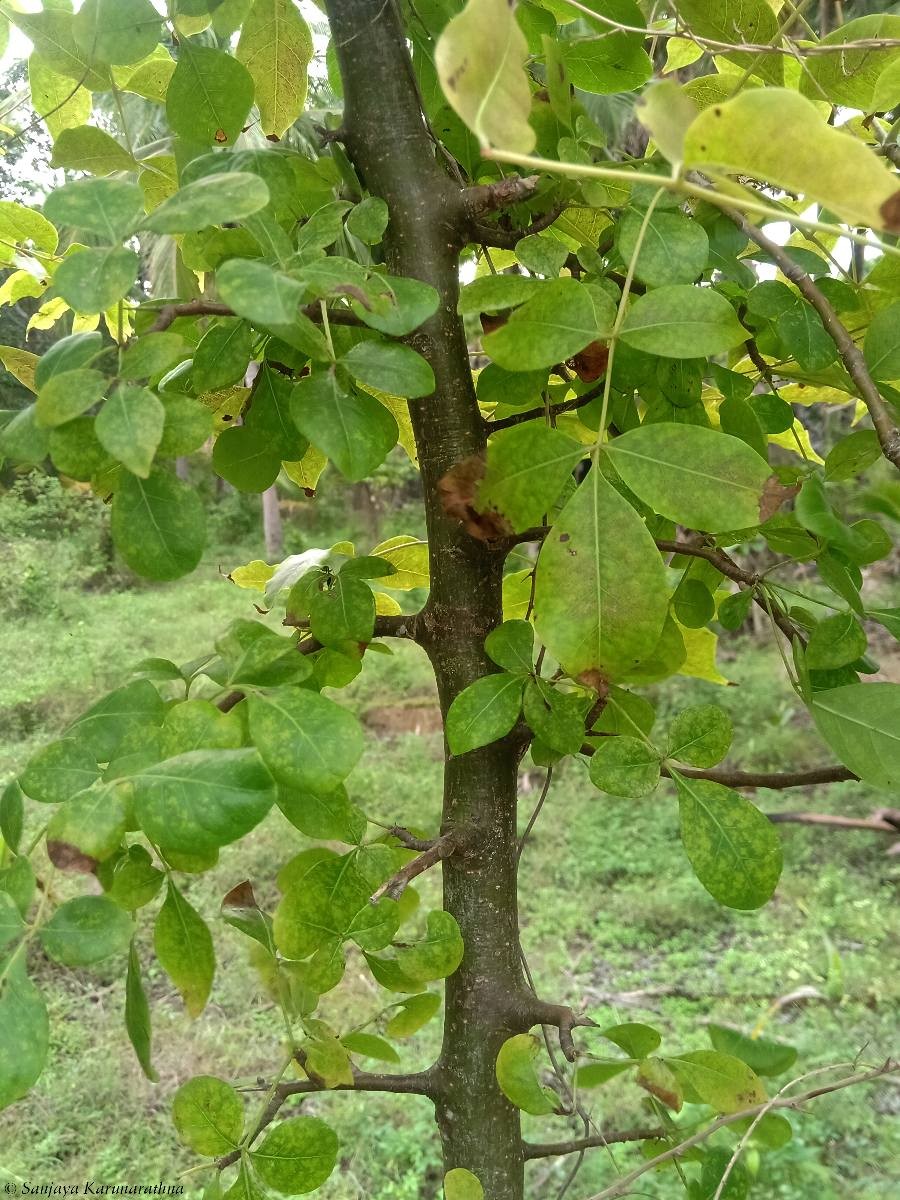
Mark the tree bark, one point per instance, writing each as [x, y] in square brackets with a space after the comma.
[272, 531]
[386, 137]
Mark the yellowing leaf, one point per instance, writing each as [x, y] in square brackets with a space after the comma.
[778, 136]
[480, 60]
[789, 439]
[254, 575]
[410, 556]
[226, 405]
[386, 606]
[305, 473]
[276, 48]
[53, 98]
[399, 408]
[700, 660]
[20, 363]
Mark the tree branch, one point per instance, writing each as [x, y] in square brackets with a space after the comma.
[878, 822]
[613, 1137]
[489, 197]
[850, 354]
[554, 410]
[623, 1185]
[397, 884]
[421, 1083]
[213, 308]
[731, 570]
[769, 779]
[498, 238]
[532, 1011]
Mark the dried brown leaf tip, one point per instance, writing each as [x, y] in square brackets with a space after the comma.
[458, 490]
[775, 493]
[492, 321]
[241, 896]
[890, 212]
[69, 858]
[591, 363]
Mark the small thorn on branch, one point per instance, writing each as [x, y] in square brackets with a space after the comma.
[562, 1018]
[394, 887]
[409, 840]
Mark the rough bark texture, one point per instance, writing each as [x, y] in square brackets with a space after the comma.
[390, 147]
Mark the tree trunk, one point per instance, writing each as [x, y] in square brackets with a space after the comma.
[272, 531]
[386, 137]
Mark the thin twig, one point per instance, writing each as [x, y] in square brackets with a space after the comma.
[553, 410]
[213, 308]
[850, 354]
[612, 1137]
[398, 882]
[622, 1186]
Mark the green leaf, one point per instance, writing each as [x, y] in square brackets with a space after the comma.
[54, 38]
[110, 208]
[129, 426]
[91, 281]
[562, 318]
[11, 923]
[85, 931]
[674, 250]
[390, 367]
[369, 1045]
[407, 304]
[595, 1074]
[527, 468]
[460, 1184]
[345, 612]
[435, 956]
[246, 458]
[368, 220]
[117, 31]
[296, 1156]
[835, 642]
[158, 525]
[881, 349]
[700, 736]
[222, 355]
[518, 1078]
[137, 1015]
[92, 823]
[261, 657]
[856, 452]
[153, 354]
[738, 21]
[615, 62]
[600, 595]
[625, 766]
[60, 771]
[723, 1082]
[693, 604]
[349, 426]
[655, 1077]
[209, 96]
[541, 253]
[12, 815]
[185, 951]
[22, 439]
[733, 847]
[276, 47]
[412, 1014]
[208, 1115]
[511, 646]
[637, 1040]
[556, 717]
[22, 227]
[326, 901]
[87, 148]
[804, 337]
[851, 77]
[103, 726]
[682, 321]
[255, 291]
[762, 1055]
[67, 395]
[484, 711]
[270, 414]
[306, 740]
[133, 881]
[203, 799]
[495, 293]
[861, 724]
[480, 60]
[68, 354]
[53, 98]
[24, 1033]
[745, 136]
[698, 477]
[212, 200]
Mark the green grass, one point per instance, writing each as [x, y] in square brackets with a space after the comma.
[613, 921]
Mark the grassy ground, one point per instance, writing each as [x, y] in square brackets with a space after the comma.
[613, 920]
